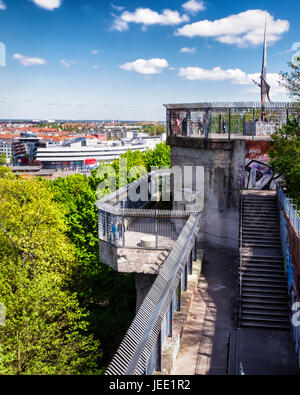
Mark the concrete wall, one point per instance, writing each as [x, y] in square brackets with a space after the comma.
[130, 260]
[223, 163]
[143, 283]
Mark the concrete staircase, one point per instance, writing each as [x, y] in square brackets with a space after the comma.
[263, 285]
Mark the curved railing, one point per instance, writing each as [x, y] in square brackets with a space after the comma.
[136, 348]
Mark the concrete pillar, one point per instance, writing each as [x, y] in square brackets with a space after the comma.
[143, 283]
[221, 160]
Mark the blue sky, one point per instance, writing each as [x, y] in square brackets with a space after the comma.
[119, 59]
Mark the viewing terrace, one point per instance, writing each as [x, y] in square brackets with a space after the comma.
[133, 236]
[160, 247]
[236, 120]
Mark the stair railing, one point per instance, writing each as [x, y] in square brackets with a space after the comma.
[241, 257]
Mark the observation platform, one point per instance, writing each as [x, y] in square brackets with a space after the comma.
[132, 238]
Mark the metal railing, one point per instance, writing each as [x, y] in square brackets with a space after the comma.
[136, 348]
[241, 259]
[226, 120]
[123, 226]
[290, 208]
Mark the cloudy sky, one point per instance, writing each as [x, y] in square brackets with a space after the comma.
[121, 59]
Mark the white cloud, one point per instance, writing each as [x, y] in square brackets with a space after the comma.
[215, 74]
[2, 5]
[240, 29]
[194, 6]
[96, 67]
[29, 61]
[48, 4]
[95, 51]
[119, 24]
[148, 17]
[234, 76]
[65, 63]
[294, 47]
[188, 50]
[117, 7]
[143, 66]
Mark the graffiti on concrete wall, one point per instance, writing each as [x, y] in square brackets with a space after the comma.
[265, 128]
[258, 172]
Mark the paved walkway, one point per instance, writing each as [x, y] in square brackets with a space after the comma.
[204, 346]
[204, 349]
[266, 352]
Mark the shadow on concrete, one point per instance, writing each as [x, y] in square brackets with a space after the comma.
[266, 352]
[220, 273]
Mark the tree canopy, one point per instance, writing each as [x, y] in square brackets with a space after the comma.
[45, 330]
[285, 156]
[291, 79]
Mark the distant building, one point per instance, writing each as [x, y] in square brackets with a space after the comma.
[79, 154]
[6, 148]
[25, 147]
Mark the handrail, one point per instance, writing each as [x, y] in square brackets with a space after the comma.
[290, 208]
[241, 258]
[135, 350]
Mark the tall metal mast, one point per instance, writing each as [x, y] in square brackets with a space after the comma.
[264, 87]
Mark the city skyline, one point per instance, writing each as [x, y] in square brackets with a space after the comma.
[123, 60]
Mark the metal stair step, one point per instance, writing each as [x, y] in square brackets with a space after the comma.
[274, 262]
[266, 317]
[261, 238]
[260, 294]
[257, 225]
[280, 314]
[261, 241]
[266, 287]
[254, 215]
[253, 244]
[265, 300]
[246, 323]
[263, 226]
[267, 276]
[264, 270]
[264, 257]
[264, 307]
[258, 232]
[265, 279]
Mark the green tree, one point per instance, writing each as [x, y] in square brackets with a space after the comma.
[108, 296]
[5, 172]
[78, 198]
[291, 79]
[285, 156]
[3, 158]
[46, 331]
[159, 157]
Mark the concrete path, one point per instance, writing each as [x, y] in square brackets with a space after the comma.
[204, 349]
[204, 346]
[266, 352]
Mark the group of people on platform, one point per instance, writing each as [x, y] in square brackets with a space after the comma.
[182, 127]
[179, 126]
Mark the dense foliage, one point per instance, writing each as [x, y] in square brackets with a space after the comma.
[3, 158]
[286, 156]
[46, 330]
[286, 141]
[291, 79]
[61, 301]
